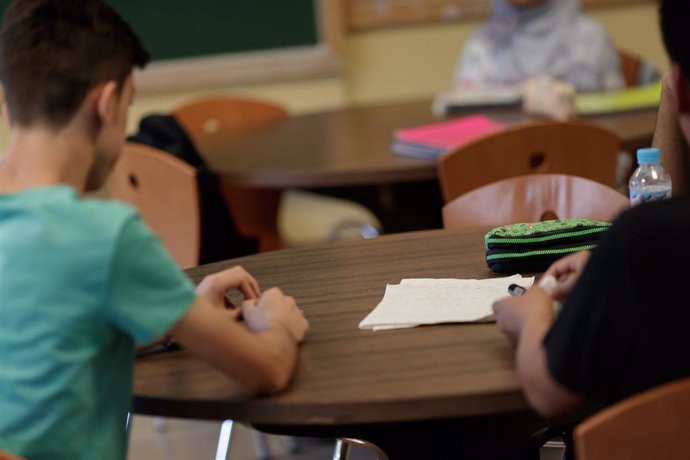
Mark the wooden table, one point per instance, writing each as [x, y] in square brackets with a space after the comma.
[351, 147]
[347, 376]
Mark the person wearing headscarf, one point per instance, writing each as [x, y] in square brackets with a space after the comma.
[532, 38]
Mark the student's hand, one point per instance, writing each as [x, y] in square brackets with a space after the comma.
[215, 287]
[275, 310]
[567, 271]
[512, 313]
[668, 88]
[668, 134]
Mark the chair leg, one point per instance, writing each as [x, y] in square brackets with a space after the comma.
[260, 445]
[160, 426]
[343, 445]
[224, 440]
[342, 450]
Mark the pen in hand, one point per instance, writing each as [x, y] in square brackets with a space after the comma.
[548, 283]
[516, 289]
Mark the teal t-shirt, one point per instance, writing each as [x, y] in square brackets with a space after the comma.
[80, 282]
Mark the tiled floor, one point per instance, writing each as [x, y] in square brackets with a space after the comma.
[176, 439]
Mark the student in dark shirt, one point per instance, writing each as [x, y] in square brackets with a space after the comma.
[625, 318]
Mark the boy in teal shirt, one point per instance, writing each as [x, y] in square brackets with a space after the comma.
[82, 281]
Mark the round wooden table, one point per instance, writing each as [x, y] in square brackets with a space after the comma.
[347, 376]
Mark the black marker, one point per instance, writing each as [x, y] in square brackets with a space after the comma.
[516, 289]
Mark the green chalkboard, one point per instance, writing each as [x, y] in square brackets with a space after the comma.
[189, 28]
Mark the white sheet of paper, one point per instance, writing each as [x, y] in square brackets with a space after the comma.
[419, 301]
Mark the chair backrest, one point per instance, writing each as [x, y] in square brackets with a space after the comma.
[631, 65]
[254, 211]
[636, 70]
[534, 198]
[651, 425]
[164, 190]
[577, 148]
[205, 118]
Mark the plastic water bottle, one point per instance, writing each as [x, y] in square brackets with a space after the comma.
[649, 182]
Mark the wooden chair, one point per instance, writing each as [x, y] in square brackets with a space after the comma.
[211, 116]
[254, 211]
[164, 190]
[577, 148]
[636, 70]
[651, 425]
[7, 456]
[534, 198]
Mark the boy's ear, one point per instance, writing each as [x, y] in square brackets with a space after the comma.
[682, 89]
[106, 103]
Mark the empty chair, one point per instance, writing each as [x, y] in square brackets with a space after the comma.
[164, 190]
[576, 148]
[534, 198]
[651, 425]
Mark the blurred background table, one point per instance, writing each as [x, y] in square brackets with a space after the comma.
[351, 147]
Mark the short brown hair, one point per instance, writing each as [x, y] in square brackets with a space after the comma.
[54, 51]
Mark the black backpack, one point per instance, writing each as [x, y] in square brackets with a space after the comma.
[219, 237]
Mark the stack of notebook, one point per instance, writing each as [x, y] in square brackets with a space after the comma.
[430, 141]
[463, 98]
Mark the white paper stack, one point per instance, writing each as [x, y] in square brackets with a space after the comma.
[415, 302]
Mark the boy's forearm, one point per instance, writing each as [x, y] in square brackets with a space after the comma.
[544, 394]
[668, 138]
[280, 358]
[262, 361]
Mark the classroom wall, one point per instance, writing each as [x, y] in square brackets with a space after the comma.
[404, 63]
[417, 62]
[411, 63]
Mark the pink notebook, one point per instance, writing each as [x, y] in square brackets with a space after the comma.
[449, 133]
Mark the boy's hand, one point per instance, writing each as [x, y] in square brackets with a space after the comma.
[668, 89]
[275, 309]
[513, 312]
[567, 271]
[215, 287]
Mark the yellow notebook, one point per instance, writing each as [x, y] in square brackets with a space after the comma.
[639, 97]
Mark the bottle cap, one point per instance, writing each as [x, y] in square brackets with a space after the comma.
[648, 156]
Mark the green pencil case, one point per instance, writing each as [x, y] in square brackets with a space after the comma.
[531, 248]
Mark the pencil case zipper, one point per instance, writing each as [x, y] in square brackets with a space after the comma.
[539, 252]
[573, 237]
